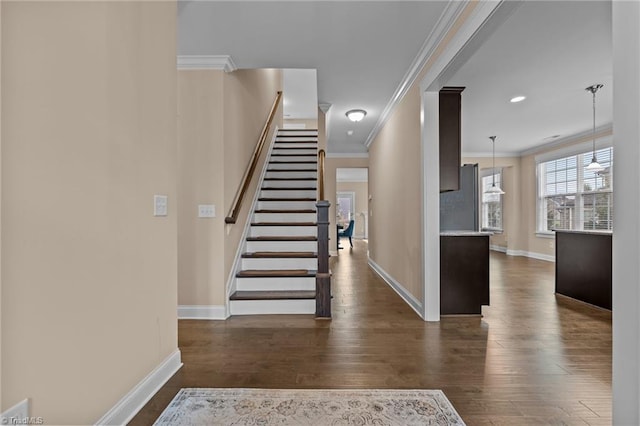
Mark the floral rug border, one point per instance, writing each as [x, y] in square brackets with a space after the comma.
[252, 406]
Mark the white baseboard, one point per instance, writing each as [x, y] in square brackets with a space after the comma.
[415, 304]
[333, 252]
[203, 312]
[136, 398]
[531, 254]
[501, 249]
[16, 415]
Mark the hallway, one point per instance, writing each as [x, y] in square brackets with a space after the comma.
[533, 358]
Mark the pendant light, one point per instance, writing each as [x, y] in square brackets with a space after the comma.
[494, 189]
[594, 166]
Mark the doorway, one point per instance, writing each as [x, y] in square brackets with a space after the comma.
[352, 200]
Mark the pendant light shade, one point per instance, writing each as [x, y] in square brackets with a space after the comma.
[495, 189]
[594, 165]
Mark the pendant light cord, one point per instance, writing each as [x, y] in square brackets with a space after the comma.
[593, 89]
[493, 140]
[594, 123]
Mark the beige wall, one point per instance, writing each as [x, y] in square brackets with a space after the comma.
[221, 116]
[510, 238]
[395, 189]
[200, 181]
[248, 98]
[520, 200]
[322, 130]
[361, 191]
[333, 164]
[88, 137]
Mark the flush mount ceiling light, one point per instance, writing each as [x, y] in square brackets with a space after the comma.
[518, 99]
[494, 189]
[356, 115]
[594, 166]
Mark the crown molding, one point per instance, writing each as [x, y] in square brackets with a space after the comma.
[206, 62]
[451, 13]
[602, 131]
[489, 155]
[324, 107]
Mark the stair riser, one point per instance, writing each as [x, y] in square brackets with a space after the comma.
[281, 205]
[276, 284]
[291, 175]
[296, 139]
[313, 146]
[281, 263]
[301, 132]
[295, 166]
[274, 193]
[272, 307]
[283, 150]
[253, 246]
[277, 231]
[285, 217]
[294, 158]
[289, 183]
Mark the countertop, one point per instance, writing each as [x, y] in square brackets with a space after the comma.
[569, 231]
[464, 234]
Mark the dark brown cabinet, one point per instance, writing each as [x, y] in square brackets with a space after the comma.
[464, 273]
[450, 108]
[584, 266]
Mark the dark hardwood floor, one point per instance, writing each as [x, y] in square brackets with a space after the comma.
[534, 358]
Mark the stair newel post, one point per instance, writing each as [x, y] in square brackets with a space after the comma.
[323, 276]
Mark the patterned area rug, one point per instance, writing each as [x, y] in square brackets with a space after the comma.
[309, 407]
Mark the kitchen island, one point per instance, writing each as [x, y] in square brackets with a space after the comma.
[464, 272]
[584, 266]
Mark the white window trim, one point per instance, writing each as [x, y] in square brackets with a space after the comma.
[483, 174]
[578, 149]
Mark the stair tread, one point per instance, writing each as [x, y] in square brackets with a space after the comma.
[291, 147]
[292, 170]
[287, 199]
[293, 155]
[283, 273]
[291, 178]
[293, 162]
[285, 211]
[284, 224]
[283, 238]
[298, 130]
[274, 295]
[279, 254]
[288, 188]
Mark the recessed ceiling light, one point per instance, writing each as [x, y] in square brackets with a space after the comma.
[356, 115]
[349, 132]
[518, 99]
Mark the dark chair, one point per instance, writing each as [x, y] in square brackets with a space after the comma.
[348, 232]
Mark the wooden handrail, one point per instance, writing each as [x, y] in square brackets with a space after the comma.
[321, 156]
[248, 173]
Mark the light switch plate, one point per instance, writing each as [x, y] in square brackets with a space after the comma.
[206, 210]
[160, 205]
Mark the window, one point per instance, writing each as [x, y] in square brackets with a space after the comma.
[491, 203]
[572, 197]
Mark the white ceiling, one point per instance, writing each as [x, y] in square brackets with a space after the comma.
[361, 50]
[548, 51]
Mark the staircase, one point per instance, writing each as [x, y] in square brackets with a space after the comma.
[277, 271]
